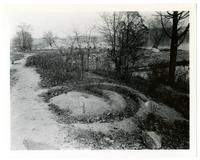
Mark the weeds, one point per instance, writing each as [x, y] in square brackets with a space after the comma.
[53, 68]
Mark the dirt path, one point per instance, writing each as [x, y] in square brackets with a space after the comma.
[32, 124]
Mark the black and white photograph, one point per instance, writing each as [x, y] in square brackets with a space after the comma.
[89, 78]
[100, 80]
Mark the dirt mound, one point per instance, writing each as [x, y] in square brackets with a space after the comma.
[80, 103]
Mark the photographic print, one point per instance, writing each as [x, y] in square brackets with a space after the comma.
[100, 79]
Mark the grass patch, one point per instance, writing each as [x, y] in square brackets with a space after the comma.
[115, 140]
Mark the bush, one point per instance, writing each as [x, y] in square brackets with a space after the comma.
[160, 76]
[171, 97]
[182, 79]
[53, 68]
[174, 135]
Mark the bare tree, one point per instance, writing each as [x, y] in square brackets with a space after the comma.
[124, 33]
[79, 43]
[71, 44]
[177, 36]
[156, 32]
[109, 30]
[23, 39]
[88, 39]
[73, 55]
[49, 38]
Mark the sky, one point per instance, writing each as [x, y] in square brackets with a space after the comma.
[61, 23]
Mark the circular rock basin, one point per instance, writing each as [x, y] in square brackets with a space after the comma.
[80, 103]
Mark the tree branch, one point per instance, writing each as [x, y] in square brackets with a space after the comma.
[163, 26]
[184, 32]
[170, 14]
[181, 40]
[183, 16]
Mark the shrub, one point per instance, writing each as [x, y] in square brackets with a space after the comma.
[54, 68]
[174, 135]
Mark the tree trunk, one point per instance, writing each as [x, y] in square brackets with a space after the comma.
[88, 59]
[118, 71]
[156, 44]
[23, 41]
[117, 68]
[82, 66]
[173, 49]
[114, 34]
[29, 45]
